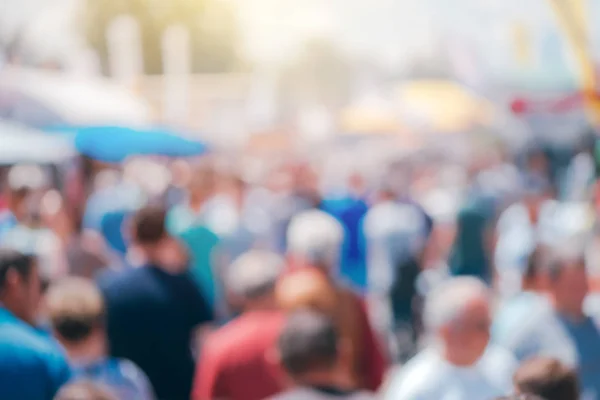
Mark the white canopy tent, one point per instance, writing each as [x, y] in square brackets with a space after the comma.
[19, 144]
[46, 98]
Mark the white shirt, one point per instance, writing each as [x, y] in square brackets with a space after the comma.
[311, 394]
[429, 377]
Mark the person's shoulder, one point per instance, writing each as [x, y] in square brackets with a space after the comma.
[123, 282]
[19, 341]
[497, 358]
[130, 372]
[415, 379]
[244, 335]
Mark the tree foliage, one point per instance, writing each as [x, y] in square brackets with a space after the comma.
[212, 25]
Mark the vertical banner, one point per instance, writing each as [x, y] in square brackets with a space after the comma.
[572, 18]
[176, 68]
[522, 43]
[126, 61]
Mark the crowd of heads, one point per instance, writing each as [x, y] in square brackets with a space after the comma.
[283, 246]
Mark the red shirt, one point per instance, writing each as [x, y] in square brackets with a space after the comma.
[234, 364]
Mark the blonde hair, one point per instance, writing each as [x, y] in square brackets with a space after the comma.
[75, 307]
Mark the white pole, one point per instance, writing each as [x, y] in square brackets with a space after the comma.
[176, 68]
[125, 49]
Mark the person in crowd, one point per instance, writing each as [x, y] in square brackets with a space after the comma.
[519, 230]
[520, 397]
[474, 239]
[315, 357]
[154, 311]
[548, 378]
[85, 390]
[77, 316]
[235, 362]
[17, 190]
[515, 310]
[111, 192]
[396, 236]
[188, 221]
[562, 329]
[348, 206]
[460, 362]
[314, 240]
[31, 366]
[239, 224]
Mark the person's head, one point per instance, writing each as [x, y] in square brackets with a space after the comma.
[457, 313]
[202, 182]
[568, 280]
[20, 284]
[547, 378]
[84, 390]
[22, 182]
[311, 351]
[77, 315]
[150, 235]
[316, 238]
[250, 280]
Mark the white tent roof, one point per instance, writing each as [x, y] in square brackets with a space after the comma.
[24, 145]
[75, 99]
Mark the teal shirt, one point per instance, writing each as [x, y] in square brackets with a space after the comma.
[201, 242]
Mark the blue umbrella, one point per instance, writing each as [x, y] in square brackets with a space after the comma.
[115, 144]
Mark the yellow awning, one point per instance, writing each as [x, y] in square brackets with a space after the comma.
[443, 106]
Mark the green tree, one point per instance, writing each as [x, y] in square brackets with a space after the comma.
[212, 25]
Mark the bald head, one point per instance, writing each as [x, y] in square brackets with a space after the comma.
[253, 275]
[452, 300]
[458, 315]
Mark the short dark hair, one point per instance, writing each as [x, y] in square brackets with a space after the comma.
[309, 341]
[149, 224]
[11, 259]
[548, 378]
[84, 390]
[75, 308]
[519, 396]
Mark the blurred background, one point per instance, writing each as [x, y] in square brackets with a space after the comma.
[478, 118]
[265, 72]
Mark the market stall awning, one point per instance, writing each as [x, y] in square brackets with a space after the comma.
[19, 144]
[47, 98]
[442, 106]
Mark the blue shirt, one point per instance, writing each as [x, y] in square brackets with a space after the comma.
[32, 367]
[350, 213]
[152, 316]
[122, 377]
[7, 223]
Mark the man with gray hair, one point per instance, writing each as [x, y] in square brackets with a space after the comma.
[460, 363]
[314, 244]
[234, 363]
[315, 238]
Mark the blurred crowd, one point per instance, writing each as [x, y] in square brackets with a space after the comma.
[427, 277]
